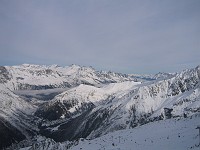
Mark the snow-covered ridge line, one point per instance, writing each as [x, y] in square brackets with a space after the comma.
[28, 76]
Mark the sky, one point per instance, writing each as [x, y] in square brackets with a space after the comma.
[127, 36]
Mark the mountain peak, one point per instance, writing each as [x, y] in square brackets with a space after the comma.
[75, 66]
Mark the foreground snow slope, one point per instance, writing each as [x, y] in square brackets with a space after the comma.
[172, 134]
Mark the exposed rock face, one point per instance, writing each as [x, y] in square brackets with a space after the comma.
[9, 134]
[4, 75]
[58, 110]
[168, 113]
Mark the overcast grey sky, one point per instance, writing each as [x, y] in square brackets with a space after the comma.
[128, 36]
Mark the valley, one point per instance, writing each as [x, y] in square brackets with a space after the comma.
[66, 105]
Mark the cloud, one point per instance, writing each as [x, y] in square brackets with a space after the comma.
[125, 36]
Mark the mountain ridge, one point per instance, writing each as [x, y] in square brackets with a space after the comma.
[97, 102]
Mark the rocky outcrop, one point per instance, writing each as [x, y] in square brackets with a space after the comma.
[4, 75]
[9, 134]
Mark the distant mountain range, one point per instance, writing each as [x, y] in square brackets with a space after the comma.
[45, 105]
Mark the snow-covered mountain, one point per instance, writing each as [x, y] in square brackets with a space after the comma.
[36, 77]
[121, 105]
[90, 104]
[22, 89]
[163, 75]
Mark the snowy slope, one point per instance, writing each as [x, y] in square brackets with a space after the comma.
[10, 103]
[172, 134]
[81, 99]
[163, 75]
[86, 93]
[15, 118]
